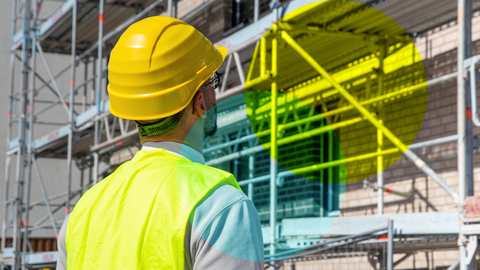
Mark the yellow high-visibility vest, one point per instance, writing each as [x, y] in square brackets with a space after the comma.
[136, 218]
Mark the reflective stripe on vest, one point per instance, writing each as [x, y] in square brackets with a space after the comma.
[136, 218]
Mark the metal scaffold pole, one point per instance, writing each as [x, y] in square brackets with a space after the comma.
[251, 172]
[31, 96]
[380, 182]
[99, 90]
[273, 149]
[468, 102]
[6, 202]
[462, 127]
[170, 4]
[390, 233]
[256, 10]
[70, 107]
[18, 225]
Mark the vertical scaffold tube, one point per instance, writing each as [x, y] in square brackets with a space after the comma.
[273, 150]
[251, 173]
[263, 56]
[461, 124]
[70, 107]
[390, 245]
[99, 89]
[379, 132]
[469, 181]
[5, 205]
[256, 8]
[99, 57]
[20, 172]
[31, 97]
[11, 100]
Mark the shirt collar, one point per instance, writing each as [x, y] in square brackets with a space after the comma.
[178, 149]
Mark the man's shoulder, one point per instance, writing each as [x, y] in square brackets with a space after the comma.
[218, 202]
[226, 229]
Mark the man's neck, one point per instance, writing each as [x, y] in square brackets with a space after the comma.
[176, 148]
[188, 131]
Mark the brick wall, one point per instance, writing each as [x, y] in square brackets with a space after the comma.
[38, 244]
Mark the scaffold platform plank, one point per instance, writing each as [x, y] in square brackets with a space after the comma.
[404, 224]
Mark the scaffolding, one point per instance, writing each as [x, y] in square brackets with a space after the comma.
[91, 135]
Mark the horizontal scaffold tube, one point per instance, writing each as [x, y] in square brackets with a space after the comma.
[290, 139]
[338, 162]
[321, 166]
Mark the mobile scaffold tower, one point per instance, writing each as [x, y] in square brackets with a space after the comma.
[92, 135]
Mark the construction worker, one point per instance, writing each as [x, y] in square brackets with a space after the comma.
[164, 209]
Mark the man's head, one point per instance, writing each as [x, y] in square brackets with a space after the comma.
[162, 74]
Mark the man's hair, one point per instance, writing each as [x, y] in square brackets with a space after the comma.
[148, 128]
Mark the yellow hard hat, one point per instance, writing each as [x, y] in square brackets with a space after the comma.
[157, 66]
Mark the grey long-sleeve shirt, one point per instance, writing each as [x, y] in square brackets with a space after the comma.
[225, 230]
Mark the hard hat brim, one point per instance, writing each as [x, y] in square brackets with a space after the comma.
[223, 51]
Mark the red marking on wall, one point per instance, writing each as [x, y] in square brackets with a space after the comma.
[100, 18]
[47, 257]
[10, 113]
[472, 206]
[52, 136]
[72, 81]
[56, 236]
[31, 106]
[64, 104]
[389, 190]
[56, 16]
[38, 8]
[225, 43]
[469, 113]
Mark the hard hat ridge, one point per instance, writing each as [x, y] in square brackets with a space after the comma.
[160, 35]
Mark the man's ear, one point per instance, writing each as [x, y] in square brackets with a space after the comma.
[199, 104]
